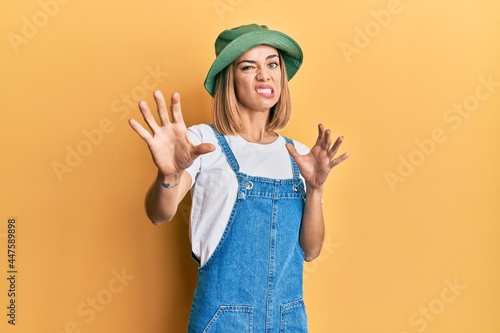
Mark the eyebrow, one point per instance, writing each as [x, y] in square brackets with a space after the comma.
[254, 62]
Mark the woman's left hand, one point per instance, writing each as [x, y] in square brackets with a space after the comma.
[317, 164]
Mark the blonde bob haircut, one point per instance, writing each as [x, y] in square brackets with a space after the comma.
[225, 113]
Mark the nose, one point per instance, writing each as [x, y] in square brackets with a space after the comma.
[263, 74]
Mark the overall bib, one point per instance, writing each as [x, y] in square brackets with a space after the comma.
[253, 280]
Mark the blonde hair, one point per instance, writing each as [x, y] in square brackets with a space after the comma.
[225, 116]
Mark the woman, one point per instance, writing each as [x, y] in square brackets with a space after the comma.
[256, 209]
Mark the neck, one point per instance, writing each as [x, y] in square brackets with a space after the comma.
[263, 137]
[254, 127]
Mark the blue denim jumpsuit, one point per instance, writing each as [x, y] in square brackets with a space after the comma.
[253, 280]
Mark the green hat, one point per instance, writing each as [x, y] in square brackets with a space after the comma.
[232, 43]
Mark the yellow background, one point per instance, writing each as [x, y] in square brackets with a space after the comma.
[412, 216]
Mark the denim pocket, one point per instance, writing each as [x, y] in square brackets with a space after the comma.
[293, 317]
[231, 319]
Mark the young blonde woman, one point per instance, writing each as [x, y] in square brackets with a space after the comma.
[256, 195]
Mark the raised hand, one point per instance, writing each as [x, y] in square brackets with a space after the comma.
[317, 164]
[170, 147]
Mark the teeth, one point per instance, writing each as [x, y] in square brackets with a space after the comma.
[264, 91]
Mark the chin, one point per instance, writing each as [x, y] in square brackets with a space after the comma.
[269, 104]
[266, 107]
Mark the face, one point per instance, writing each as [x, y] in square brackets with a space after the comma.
[257, 78]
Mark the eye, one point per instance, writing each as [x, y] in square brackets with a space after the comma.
[247, 68]
[274, 65]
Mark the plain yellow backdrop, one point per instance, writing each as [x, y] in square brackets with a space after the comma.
[413, 219]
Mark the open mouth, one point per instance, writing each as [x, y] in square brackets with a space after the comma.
[265, 91]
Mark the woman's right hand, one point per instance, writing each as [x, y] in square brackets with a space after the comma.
[170, 147]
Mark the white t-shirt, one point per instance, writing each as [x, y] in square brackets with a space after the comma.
[214, 183]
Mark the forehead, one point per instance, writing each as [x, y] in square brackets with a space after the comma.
[260, 52]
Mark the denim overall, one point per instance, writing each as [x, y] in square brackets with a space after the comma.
[253, 280]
